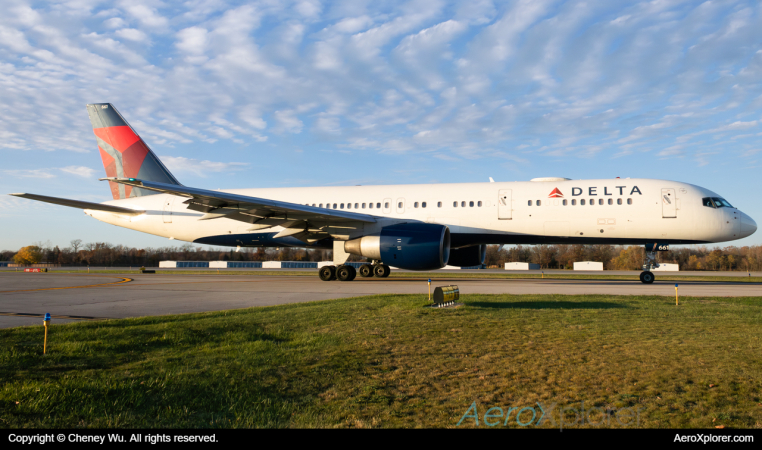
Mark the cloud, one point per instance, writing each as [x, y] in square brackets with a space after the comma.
[80, 171]
[31, 173]
[131, 34]
[197, 167]
[419, 77]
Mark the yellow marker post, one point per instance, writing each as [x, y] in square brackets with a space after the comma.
[429, 289]
[543, 274]
[677, 302]
[46, 321]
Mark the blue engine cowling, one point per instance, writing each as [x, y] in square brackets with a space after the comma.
[468, 256]
[411, 246]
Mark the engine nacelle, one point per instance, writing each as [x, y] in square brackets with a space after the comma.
[412, 246]
[468, 256]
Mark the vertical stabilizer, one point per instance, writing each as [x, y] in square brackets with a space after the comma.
[124, 153]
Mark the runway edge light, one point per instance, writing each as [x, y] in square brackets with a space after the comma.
[677, 302]
[46, 322]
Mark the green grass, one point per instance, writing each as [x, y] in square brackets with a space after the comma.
[444, 274]
[388, 361]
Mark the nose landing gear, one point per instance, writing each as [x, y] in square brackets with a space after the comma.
[647, 277]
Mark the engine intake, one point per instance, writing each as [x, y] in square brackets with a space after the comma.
[412, 246]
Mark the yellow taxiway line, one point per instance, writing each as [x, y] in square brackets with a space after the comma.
[123, 280]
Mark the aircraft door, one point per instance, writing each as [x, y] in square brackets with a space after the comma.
[504, 204]
[668, 204]
[168, 209]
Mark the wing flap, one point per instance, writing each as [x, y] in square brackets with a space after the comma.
[80, 204]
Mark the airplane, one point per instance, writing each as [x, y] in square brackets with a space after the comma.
[414, 227]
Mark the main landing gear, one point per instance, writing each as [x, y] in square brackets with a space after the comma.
[348, 273]
[647, 277]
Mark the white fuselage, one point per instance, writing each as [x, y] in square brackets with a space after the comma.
[625, 211]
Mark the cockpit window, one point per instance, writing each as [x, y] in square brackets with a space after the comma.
[716, 202]
[721, 202]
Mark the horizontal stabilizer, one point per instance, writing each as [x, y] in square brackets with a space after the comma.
[80, 204]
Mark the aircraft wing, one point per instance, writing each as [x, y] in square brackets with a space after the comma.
[253, 210]
[80, 204]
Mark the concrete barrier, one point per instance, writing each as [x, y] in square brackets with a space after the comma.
[521, 266]
[588, 265]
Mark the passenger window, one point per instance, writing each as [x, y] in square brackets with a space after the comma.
[463, 204]
[619, 201]
[454, 204]
[342, 206]
[399, 205]
[356, 205]
[529, 202]
[439, 204]
[611, 202]
[479, 204]
[600, 201]
[423, 205]
[370, 205]
[415, 205]
[564, 202]
[582, 201]
[334, 206]
[574, 202]
[629, 201]
[539, 203]
[471, 204]
[349, 206]
[363, 206]
[378, 205]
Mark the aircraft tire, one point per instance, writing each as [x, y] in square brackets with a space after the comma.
[382, 271]
[345, 273]
[647, 277]
[327, 273]
[366, 271]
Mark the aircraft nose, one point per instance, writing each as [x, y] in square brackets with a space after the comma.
[748, 225]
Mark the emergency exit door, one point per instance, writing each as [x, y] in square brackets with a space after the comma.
[668, 204]
[504, 204]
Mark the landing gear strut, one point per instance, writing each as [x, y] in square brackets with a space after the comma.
[348, 273]
[647, 277]
[381, 270]
[366, 271]
[327, 273]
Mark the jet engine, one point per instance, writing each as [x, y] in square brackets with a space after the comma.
[412, 246]
[468, 256]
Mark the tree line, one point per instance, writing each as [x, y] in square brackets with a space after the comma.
[616, 257]
[747, 258]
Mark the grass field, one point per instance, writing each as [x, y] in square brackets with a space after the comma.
[389, 361]
[442, 274]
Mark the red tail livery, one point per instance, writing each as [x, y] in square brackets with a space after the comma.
[124, 153]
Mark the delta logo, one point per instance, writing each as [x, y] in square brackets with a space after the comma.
[556, 194]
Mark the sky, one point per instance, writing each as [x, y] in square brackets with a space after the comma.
[310, 93]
